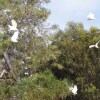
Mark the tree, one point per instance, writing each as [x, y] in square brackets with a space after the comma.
[30, 16]
[77, 62]
[32, 52]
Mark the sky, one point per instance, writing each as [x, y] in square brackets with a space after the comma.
[63, 11]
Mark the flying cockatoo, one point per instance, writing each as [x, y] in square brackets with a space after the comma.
[14, 25]
[91, 16]
[96, 45]
[14, 38]
[74, 89]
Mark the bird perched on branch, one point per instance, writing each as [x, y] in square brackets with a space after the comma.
[96, 45]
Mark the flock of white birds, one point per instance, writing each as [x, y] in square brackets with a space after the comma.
[14, 38]
[13, 27]
[74, 89]
[92, 17]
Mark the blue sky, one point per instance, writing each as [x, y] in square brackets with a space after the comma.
[63, 11]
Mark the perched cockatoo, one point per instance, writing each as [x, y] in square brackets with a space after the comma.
[91, 16]
[14, 38]
[96, 45]
[14, 25]
[74, 89]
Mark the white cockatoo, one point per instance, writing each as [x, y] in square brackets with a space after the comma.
[14, 25]
[91, 16]
[74, 89]
[96, 45]
[14, 38]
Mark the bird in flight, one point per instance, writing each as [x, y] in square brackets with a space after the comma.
[91, 16]
[95, 45]
[14, 25]
[74, 89]
[14, 38]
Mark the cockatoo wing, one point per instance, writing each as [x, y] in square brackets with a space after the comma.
[14, 23]
[96, 45]
[91, 46]
[75, 89]
[10, 27]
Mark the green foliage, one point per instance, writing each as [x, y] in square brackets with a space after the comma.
[90, 89]
[6, 90]
[67, 60]
[43, 86]
[80, 64]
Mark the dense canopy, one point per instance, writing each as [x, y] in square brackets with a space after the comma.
[46, 61]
